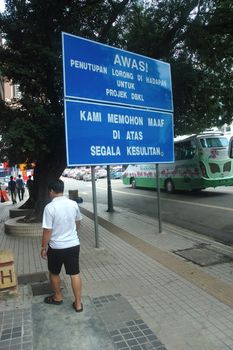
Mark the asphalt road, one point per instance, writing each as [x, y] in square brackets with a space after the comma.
[209, 212]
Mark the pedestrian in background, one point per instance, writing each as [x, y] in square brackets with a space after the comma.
[60, 243]
[2, 200]
[30, 185]
[12, 189]
[20, 187]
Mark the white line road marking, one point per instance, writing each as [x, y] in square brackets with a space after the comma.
[171, 200]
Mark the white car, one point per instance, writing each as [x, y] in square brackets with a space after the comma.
[87, 177]
[101, 173]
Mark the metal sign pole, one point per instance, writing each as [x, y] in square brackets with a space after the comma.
[110, 202]
[95, 206]
[158, 197]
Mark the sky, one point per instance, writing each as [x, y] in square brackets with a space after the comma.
[2, 5]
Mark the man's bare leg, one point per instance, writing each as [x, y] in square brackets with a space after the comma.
[56, 286]
[76, 284]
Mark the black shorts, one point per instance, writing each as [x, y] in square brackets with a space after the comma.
[68, 256]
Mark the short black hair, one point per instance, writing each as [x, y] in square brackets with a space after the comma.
[57, 186]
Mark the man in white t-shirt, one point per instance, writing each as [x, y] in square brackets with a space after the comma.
[60, 243]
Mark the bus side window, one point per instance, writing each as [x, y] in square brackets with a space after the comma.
[189, 150]
[203, 143]
[192, 149]
[230, 148]
[185, 150]
[177, 151]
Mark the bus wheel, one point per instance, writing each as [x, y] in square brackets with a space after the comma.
[133, 183]
[169, 186]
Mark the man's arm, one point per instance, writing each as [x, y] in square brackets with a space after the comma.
[78, 224]
[45, 241]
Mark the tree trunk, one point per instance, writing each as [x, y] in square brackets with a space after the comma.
[44, 173]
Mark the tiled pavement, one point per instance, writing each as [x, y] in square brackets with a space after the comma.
[16, 329]
[131, 301]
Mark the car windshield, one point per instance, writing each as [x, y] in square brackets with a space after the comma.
[210, 142]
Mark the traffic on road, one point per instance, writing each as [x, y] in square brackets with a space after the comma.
[209, 212]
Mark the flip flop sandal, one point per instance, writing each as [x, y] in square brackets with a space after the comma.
[50, 300]
[77, 310]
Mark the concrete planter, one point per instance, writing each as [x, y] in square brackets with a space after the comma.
[16, 228]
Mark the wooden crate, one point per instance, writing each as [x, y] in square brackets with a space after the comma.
[8, 279]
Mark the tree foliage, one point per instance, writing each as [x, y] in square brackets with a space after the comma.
[32, 129]
[31, 58]
[194, 36]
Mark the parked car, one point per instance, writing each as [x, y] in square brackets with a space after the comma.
[72, 173]
[80, 174]
[87, 177]
[67, 172]
[116, 175]
[101, 173]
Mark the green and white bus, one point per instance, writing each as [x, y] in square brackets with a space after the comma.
[201, 161]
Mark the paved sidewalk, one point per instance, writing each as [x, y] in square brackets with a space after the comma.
[137, 293]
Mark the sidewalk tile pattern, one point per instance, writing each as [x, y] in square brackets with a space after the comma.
[124, 325]
[16, 330]
[61, 328]
[179, 314]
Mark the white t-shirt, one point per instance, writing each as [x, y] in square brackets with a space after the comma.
[61, 215]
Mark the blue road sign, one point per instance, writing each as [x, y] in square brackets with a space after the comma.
[98, 72]
[99, 134]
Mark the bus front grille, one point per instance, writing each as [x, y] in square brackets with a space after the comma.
[214, 168]
[227, 167]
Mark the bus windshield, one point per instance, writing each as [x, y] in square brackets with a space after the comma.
[210, 142]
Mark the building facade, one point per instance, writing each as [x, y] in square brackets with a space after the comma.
[8, 91]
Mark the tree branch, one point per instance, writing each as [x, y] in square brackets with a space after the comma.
[117, 10]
